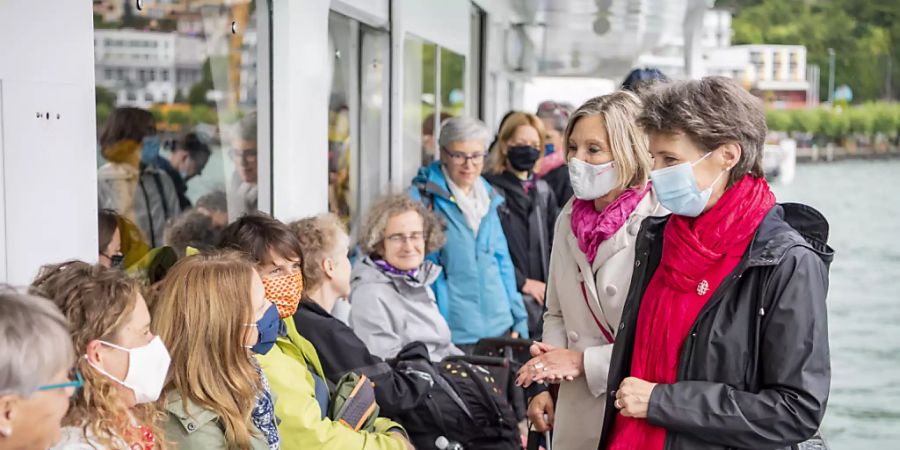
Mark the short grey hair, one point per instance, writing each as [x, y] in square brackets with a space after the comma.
[34, 342]
[462, 129]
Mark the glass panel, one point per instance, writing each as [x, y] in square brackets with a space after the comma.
[418, 105]
[453, 76]
[373, 126]
[340, 198]
[176, 113]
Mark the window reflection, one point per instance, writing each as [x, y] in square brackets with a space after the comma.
[453, 75]
[428, 103]
[339, 133]
[176, 110]
[418, 104]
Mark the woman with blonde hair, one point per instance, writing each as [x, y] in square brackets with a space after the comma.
[530, 212]
[123, 364]
[591, 266]
[216, 395]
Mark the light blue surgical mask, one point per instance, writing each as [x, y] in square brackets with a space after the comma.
[677, 190]
[150, 149]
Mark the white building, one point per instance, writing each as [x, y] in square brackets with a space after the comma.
[143, 68]
[777, 73]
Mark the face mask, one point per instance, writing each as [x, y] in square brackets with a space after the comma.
[150, 149]
[147, 369]
[117, 261]
[677, 190]
[522, 157]
[270, 326]
[285, 292]
[549, 149]
[592, 181]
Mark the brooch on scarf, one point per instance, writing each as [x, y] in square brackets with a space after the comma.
[703, 288]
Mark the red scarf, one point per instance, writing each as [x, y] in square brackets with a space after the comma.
[698, 253]
[591, 228]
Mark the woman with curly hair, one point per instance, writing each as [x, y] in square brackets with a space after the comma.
[123, 364]
[393, 304]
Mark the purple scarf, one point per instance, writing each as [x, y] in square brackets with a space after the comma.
[591, 228]
[387, 267]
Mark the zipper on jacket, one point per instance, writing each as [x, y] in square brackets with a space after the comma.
[714, 300]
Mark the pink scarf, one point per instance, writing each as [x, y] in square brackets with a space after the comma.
[591, 228]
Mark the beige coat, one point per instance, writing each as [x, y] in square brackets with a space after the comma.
[570, 324]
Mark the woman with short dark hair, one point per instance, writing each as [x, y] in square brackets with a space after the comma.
[292, 366]
[723, 341]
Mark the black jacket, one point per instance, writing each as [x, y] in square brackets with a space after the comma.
[559, 181]
[754, 372]
[528, 220]
[340, 351]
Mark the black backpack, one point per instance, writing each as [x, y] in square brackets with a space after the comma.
[465, 410]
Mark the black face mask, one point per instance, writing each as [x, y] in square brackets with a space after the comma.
[117, 261]
[522, 157]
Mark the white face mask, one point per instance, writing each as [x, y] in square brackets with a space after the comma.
[592, 181]
[147, 369]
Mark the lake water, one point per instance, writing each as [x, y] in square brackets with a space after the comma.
[861, 200]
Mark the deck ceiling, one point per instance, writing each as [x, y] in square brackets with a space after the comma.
[599, 38]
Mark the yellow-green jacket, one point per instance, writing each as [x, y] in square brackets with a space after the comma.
[302, 425]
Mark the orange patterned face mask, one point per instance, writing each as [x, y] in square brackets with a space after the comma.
[285, 292]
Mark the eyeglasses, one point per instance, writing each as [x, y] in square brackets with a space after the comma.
[247, 155]
[400, 238]
[461, 158]
[75, 383]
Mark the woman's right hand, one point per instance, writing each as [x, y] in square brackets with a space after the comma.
[540, 405]
[535, 289]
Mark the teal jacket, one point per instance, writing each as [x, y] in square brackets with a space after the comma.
[477, 293]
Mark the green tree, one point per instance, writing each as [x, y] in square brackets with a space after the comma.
[104, 96]
[178, 117]
[778, 120]
[197, 93]
[863, 45]
[203, 114]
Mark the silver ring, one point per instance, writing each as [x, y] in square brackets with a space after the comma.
[538, 365]
[546, 369]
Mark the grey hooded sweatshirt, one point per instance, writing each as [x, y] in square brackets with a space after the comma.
[390, 311]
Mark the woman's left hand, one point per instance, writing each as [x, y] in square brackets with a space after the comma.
[553, 366]
[633, 397]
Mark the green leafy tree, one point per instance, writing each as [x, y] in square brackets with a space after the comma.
[197, 93]
[863, 45]
[778, 120]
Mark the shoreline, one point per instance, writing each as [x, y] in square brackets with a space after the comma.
[812, 155]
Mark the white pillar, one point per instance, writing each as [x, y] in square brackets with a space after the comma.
[300, 108]
[48, 170]
[693, 39]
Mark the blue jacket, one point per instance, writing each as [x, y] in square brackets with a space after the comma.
[477, 293]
